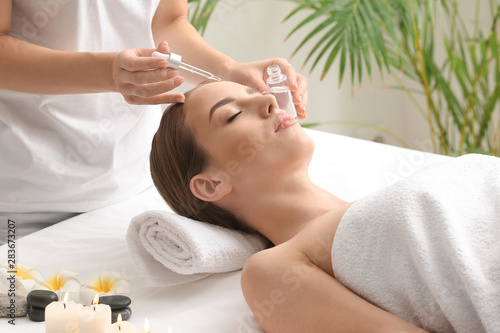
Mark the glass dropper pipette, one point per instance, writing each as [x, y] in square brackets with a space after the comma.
[175, 61]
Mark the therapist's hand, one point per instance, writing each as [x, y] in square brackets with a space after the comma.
[254, 74]
[143, 79]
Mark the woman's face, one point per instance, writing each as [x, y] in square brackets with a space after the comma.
[245, 133]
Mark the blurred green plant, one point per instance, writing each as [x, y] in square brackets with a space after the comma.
[199, 12]
[461, 92]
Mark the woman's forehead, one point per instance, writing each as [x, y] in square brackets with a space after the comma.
[202, 98]
[214, 90]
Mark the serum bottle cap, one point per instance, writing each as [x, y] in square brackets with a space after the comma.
[174, 60]
[275, 75]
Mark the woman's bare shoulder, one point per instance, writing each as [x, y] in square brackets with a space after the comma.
[312, 246]
[274, 257]
[269, 278]
[272, 266]
[289, 293]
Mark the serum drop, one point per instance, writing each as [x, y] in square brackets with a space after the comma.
[278, 86]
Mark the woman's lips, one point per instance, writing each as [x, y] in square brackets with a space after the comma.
[284, 120]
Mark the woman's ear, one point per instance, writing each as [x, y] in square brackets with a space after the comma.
[210, 185]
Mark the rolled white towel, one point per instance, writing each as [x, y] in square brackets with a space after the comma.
[171, 249]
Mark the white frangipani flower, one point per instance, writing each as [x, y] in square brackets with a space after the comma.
[104, 283]
[26, 278]
[61, 282]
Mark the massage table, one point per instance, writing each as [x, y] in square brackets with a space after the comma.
[95, 241]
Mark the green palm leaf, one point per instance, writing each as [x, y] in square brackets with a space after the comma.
[357, 32]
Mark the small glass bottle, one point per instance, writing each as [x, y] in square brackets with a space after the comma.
[278, 86]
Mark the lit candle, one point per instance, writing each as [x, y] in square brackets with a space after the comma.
[62, 316]
[146, 327]
[121, 326]
[95, 318]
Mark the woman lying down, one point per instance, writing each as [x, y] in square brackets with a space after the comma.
[420, 255]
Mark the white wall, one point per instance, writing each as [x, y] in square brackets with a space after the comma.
[250, 30]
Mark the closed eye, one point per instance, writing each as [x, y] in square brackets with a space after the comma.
[233, 117]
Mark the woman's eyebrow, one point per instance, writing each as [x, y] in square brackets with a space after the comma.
[217, 105]
[228, 100]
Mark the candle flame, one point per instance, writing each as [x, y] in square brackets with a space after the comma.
[65, 299]
[146, 325]
[96, 299]
[119, 319]
[169, 330]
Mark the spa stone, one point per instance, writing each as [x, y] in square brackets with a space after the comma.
[41, 298]
[116, 302]
[36, 314]
[126, 314]
[13, 306]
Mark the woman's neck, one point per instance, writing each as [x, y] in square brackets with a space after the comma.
[281, 211]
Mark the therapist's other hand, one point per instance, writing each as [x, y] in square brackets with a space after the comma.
[143, 79]
[254, 74]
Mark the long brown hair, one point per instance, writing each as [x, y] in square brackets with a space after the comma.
[175, 158]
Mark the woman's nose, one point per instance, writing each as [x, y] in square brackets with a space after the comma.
[263, 105]
[268, 105]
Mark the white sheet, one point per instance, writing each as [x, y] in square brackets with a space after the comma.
[95, 241]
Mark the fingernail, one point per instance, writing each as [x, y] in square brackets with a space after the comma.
[178, 81]
[162, 64]
[296, 86]
[304, 107]
[264, 92]
[299, 97]
[181, 100]
[164, 42]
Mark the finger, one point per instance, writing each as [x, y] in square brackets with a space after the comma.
[301, 108]
[301, 97]
[167, 98]
[140, 60]
[144, 77]
[258, 84]
[163, 47]
[301, 111]
[157, 99]
[289, 71]
[306, 98]
[300, 94]
[152, 89]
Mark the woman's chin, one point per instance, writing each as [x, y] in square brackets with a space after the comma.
[304, 143]
[299, 152]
